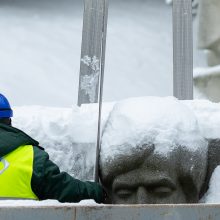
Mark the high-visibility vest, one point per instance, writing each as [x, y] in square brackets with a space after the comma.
[16, 169]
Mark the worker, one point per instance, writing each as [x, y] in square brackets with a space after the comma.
[26, 172]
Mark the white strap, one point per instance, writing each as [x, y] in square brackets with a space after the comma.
[92, 54]
[182, 49]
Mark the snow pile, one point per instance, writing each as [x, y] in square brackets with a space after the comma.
[60, 125]
[45, 203]
[67, 134]
[208, 117]
[164, 122]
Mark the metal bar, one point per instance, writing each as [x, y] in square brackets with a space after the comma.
[182, 49]
[116, 212]
[91, 51]
[104, 35]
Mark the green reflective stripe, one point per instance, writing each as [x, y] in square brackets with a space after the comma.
[16, 170]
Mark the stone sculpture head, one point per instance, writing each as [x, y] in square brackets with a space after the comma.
[151, 155]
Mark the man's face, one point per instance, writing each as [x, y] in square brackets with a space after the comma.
[154, 182]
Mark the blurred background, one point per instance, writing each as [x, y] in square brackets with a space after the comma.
[40, 46]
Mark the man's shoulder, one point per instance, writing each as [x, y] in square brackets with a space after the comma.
[11, 138]
[40, 153]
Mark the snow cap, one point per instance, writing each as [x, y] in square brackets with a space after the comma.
[140, 122]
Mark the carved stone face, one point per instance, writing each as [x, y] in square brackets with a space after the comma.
[151, 183]
[154, 179]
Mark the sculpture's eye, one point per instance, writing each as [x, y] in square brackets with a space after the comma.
[124, 193]
[161, 191]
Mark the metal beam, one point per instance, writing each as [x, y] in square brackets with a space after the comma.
[116, 212]
[182, 49]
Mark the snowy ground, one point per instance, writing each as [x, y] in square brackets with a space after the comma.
[40, 45]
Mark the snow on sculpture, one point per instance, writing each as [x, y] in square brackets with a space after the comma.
[164, 122]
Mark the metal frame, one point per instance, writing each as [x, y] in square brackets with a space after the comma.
[116, 212]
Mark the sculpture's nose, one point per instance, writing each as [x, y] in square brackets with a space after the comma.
[142, 196]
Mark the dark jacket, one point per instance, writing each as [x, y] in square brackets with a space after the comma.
[47, 181]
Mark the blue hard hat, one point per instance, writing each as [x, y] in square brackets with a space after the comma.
[5, 108]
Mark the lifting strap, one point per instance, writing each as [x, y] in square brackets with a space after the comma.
[182, 50]
[92, 64]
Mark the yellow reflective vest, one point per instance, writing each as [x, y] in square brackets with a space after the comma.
[16, 170]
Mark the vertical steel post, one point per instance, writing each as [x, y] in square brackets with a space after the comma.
[182, 49]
